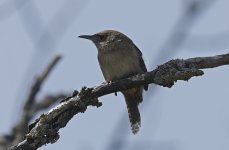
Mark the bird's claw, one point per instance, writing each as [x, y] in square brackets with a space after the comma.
[109, 82]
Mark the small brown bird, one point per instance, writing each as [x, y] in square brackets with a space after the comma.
[120, 58]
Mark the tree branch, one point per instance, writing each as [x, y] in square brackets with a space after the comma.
[31, 107]
[45, 129]
[48, 101]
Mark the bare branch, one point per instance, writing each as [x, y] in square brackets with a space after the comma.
[8, 139]
[40, 79]
[45, 129]
[31, 107]
[48, 101]
[209, 62]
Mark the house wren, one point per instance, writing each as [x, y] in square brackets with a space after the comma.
[120, 58]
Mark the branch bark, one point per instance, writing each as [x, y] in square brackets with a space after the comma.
[45, 129]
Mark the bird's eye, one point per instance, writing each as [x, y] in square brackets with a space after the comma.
[102, 37]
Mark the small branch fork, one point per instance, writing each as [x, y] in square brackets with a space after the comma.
[46, 128]
[32, 106]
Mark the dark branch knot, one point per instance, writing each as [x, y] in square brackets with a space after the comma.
[177, 69]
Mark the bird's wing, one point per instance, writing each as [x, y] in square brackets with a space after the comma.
[142, 63]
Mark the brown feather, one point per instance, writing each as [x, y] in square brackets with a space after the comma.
[133, 97]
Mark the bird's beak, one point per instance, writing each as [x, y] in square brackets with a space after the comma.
[89, 37]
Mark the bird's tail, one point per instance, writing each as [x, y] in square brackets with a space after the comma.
[133, 97]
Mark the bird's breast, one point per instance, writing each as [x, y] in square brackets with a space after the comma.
[119, 64]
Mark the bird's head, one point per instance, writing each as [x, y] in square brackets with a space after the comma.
[107, 39]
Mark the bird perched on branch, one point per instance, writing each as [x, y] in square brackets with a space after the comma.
[120, 58]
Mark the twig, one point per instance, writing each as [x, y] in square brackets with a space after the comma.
[48, 101]
[31, 107]
[40, 79]
[45, 129]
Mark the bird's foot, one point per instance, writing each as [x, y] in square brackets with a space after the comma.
[109, 82]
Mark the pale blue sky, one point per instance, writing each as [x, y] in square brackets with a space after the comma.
[192, 115]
